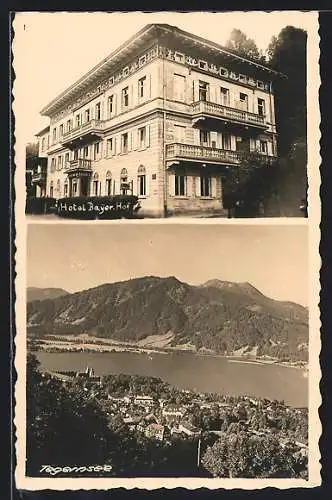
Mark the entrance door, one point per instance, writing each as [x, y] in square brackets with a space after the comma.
[84, 186]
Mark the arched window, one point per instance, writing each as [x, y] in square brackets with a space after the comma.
[141, 181]
[65, 189]
[108, 188]
[51, 189]
[124, 181]
[95, 184]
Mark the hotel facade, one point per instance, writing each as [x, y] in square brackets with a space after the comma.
[165, 117]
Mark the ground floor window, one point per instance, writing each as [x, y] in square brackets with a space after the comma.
[108, 183]
[141, 181]
[205, 185]
[65, 189]
[74, 188]
[180, 185]
[141, 188]
[51, 189]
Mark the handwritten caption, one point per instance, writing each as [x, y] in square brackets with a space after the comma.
[53, 471]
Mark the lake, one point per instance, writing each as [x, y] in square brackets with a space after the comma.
[188, 371]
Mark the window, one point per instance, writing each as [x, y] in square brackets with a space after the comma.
[224, 95]
[109, 146]
[180, 134]
[124, 181]
[263, 147]
[96, 150]
[68, 125]
[98, 111]
[179, 87]
[59, 162]
[108, 183]
[142, 87]
[203, 91]
[125, 97]
[180, 185]
[65, 189]
[74, 187]
[54, 134]
[226, 141]
[95, 184]
[261, 107]
[58, 186]
[66, 160]
[78, 120]
[61, 130]
[141, 137]
[243, 101]
[53, 165]
[76, 154]
[87, 115]
[205, 185]
[43, 144]
[141, 181]
[111, 103]
[124, 143]
[204, 137]
[86, 151]
[51, 189]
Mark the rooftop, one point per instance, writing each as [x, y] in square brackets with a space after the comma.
[150, 33]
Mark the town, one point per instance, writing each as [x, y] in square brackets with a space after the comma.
[152, 407]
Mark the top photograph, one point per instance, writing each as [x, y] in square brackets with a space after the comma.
[169, 123]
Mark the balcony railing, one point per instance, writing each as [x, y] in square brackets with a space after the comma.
[205, 153]
[79, 164]
[92, 126]
[220, 111]
[39, 178]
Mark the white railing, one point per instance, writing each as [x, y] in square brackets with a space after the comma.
[214, 109]
[78, 164]
[206, 153]
[85, 128]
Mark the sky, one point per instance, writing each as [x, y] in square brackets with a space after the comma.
[273, 258]
[53, 50]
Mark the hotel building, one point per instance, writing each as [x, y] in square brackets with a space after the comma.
[164, 117]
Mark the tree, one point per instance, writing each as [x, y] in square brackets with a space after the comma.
[64, 425]
[244, 46]
[287, 54]
[243, 455]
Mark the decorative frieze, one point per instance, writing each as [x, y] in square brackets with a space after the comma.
[211, 68]
[106, 84]
[162, 52]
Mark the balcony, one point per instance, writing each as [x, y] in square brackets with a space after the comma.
[80, 167]
[39, 178]
[176, 152]
[204, 110]
[83, 134]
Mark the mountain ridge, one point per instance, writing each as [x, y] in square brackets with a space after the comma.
[40, 293]
[222, 318]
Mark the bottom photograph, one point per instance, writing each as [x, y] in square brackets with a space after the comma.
[167, 351]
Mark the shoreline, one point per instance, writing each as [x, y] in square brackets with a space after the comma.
[67, 346]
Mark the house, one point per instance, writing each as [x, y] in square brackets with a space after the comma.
[173, 411]
[189, 429]
[165, 117]
[155, 431]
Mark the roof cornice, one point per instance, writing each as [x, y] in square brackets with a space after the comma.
[145, 35]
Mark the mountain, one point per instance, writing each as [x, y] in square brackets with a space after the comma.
[221, 316]
[35, 293]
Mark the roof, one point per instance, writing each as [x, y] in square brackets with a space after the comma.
[146, 35]
[43, 131]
